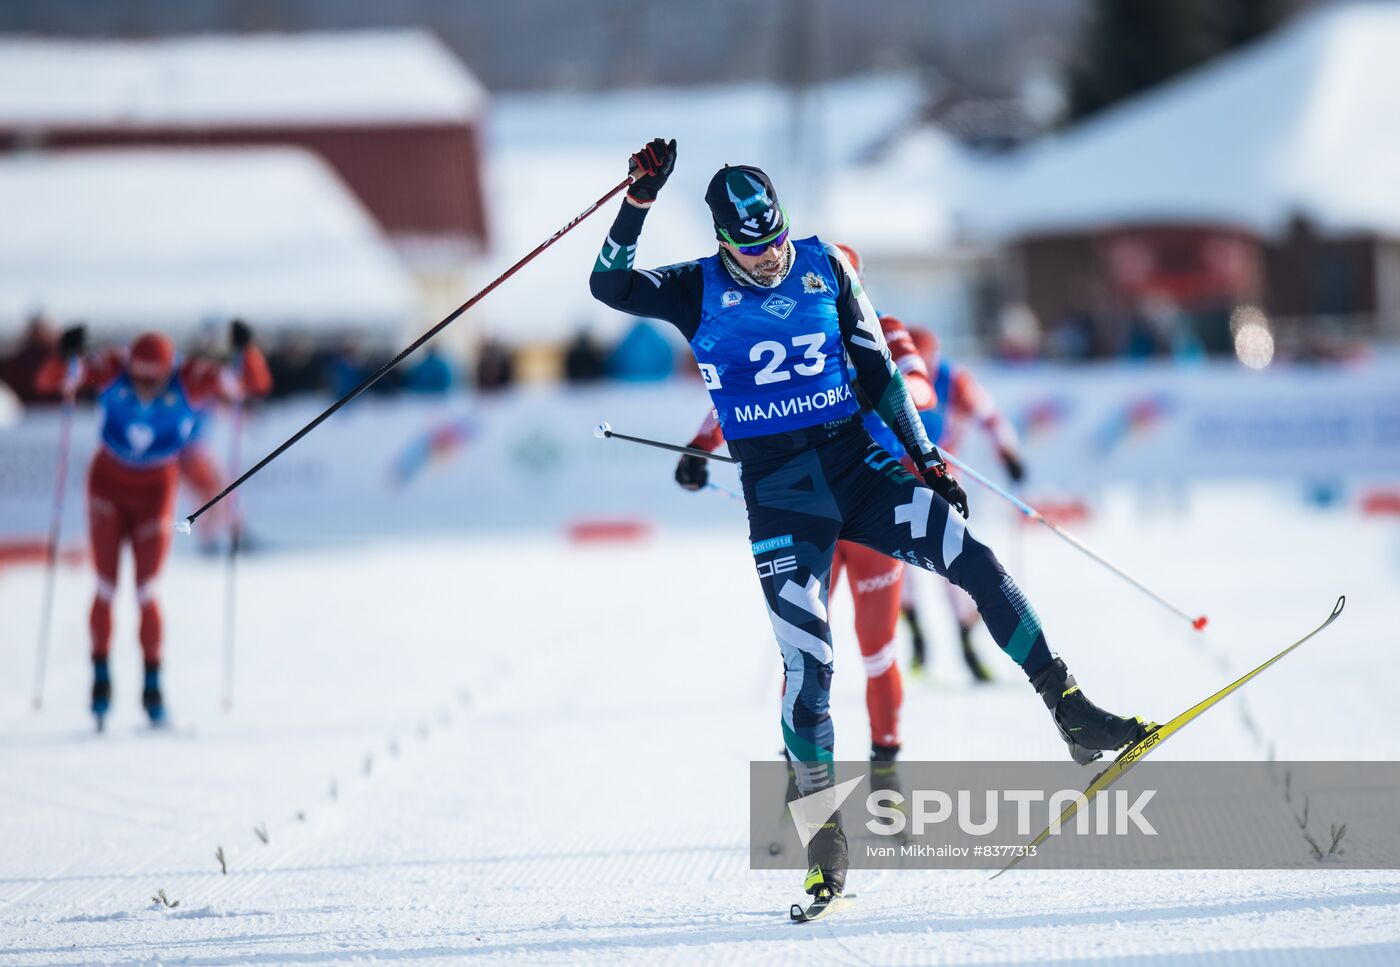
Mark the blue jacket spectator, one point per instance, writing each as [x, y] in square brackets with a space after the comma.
[643, 354]
[433, 374]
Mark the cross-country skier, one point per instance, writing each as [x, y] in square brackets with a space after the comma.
[772, 322]
[148, 411]
[875, 580]
[962, 402]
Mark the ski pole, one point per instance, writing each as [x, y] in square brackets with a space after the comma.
[1197, 621]
[183, 526]
[70, 393]
[235, 537]
[605, 431]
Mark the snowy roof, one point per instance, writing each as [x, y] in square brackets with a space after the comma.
[132, 238]
[550, 155]
[393, 76]
[1306, 122]
[912, 202]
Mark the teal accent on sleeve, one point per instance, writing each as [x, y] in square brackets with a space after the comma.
[894, 408]
[614, 257]
[801, 750]
[893, 399]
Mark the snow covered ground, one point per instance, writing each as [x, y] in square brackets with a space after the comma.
[522, 749]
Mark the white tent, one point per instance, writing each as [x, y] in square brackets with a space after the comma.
[168, 238]
[354, 77]
[1306, 121]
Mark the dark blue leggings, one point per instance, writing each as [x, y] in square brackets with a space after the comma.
[849, 488]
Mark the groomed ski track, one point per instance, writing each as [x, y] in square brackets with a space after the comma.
[521, 749]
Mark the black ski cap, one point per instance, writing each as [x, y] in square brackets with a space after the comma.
[744, 205]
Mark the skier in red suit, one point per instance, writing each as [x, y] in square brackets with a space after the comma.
[964, 402]
[149, 405]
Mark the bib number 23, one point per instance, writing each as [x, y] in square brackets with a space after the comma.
[813, 358]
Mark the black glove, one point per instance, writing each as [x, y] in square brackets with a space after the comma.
[943, 484]
[1015, 469]
[240, 334]
[693, 472]
[649, 168]
[73, 341]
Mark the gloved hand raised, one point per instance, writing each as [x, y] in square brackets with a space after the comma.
[649, 168]
[693, 472]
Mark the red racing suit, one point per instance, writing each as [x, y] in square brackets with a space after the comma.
[133, 479]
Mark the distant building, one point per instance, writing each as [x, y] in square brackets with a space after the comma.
[177, 238]
[394, 113]
[1267, 177]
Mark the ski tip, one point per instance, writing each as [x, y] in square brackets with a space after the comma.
[1200, 623]
[1341, 603]
[603, 430]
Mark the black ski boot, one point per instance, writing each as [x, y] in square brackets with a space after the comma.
[884, 770]
[101, 691]
[916, 639]
[974, 664]
[828, 859]
[884, 777]
[1088, 730]
[151, 699]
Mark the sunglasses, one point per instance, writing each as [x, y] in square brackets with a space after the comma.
[758, 248]
[762, 247]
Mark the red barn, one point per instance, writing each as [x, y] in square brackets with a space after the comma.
[394, 113]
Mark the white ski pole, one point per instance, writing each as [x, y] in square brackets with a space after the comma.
[65, 432]
[1196, 621]
[235, 538]
[604, 431]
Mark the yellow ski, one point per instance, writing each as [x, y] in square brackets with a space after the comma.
[1129, 756]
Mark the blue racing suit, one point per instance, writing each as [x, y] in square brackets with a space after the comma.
[774, 359]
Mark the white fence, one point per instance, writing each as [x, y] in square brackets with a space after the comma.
[528, 459]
